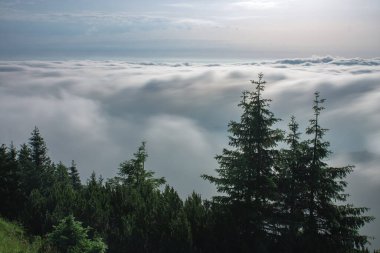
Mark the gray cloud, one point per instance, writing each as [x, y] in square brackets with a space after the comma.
[330, 60]
[97, 112]
[10, 69]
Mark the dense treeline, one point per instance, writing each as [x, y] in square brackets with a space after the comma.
[272, 199]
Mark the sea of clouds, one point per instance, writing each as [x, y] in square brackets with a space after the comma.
[98, 112]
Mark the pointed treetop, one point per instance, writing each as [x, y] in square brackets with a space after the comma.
[318, 104]
[133, 173]
[74, 175]
[38, 149]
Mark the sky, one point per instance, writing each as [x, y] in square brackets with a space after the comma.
[99, 77]
[233, 29]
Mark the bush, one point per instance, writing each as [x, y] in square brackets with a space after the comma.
[69, 236]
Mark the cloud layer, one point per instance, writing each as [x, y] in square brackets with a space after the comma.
[97, 113]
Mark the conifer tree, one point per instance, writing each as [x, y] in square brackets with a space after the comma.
[70, 236]
[292, 178]
[133, 173]
[330, 224]
[41, 164]
[11, 190]
[74, 176]
[61, 197]
[38, 147]
[95, 208]
[28, 176]
[38, 178]
[6, 182]
[16, 194]
[246, 174]
[175, 228]
[197, 216]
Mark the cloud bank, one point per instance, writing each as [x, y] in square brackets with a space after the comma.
[98, 112]
[330, 60]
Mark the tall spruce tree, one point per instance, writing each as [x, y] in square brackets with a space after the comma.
[74, 176]
[292, 167]
[39, 178]
[41, 162]
[331, 225]
[246, 174]
[38, 149]
[29, 178]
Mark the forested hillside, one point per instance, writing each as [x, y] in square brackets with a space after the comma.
[277, 193]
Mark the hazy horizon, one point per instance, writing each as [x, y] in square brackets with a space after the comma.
[195, 29]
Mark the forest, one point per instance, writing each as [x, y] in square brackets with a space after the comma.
[276, 193]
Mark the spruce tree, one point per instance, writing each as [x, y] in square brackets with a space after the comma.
[292, 167]
[11, 189]
[38, 179]
[133, 173]
[74, 176]
[28, 176]
[38, 149]
[5, 184]
[197, 216]
[16, 194]
[95, 207]
[331, 225]
[41, 163]
[175, 231]
[246, 175]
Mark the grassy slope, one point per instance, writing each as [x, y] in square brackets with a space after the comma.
[12, 239]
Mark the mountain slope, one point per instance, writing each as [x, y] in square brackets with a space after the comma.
[13, 240]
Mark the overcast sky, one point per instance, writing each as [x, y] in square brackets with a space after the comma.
[250, 29]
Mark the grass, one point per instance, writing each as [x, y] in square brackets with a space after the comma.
[13, 239]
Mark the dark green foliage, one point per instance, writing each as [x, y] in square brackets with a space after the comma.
[335, 226]
[198, 217]
[61, 196]
[133, 173]
[93, 205]
[29, 176]
[142, 218]
[74, 176]
[281, 200]
[38, 149]
[11, 194]
[246, 174]
[46, 188]
[175, 233]
[69, 236]
[292, 167]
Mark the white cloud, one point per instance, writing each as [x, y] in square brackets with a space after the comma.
[134, 93]
[97, 112]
